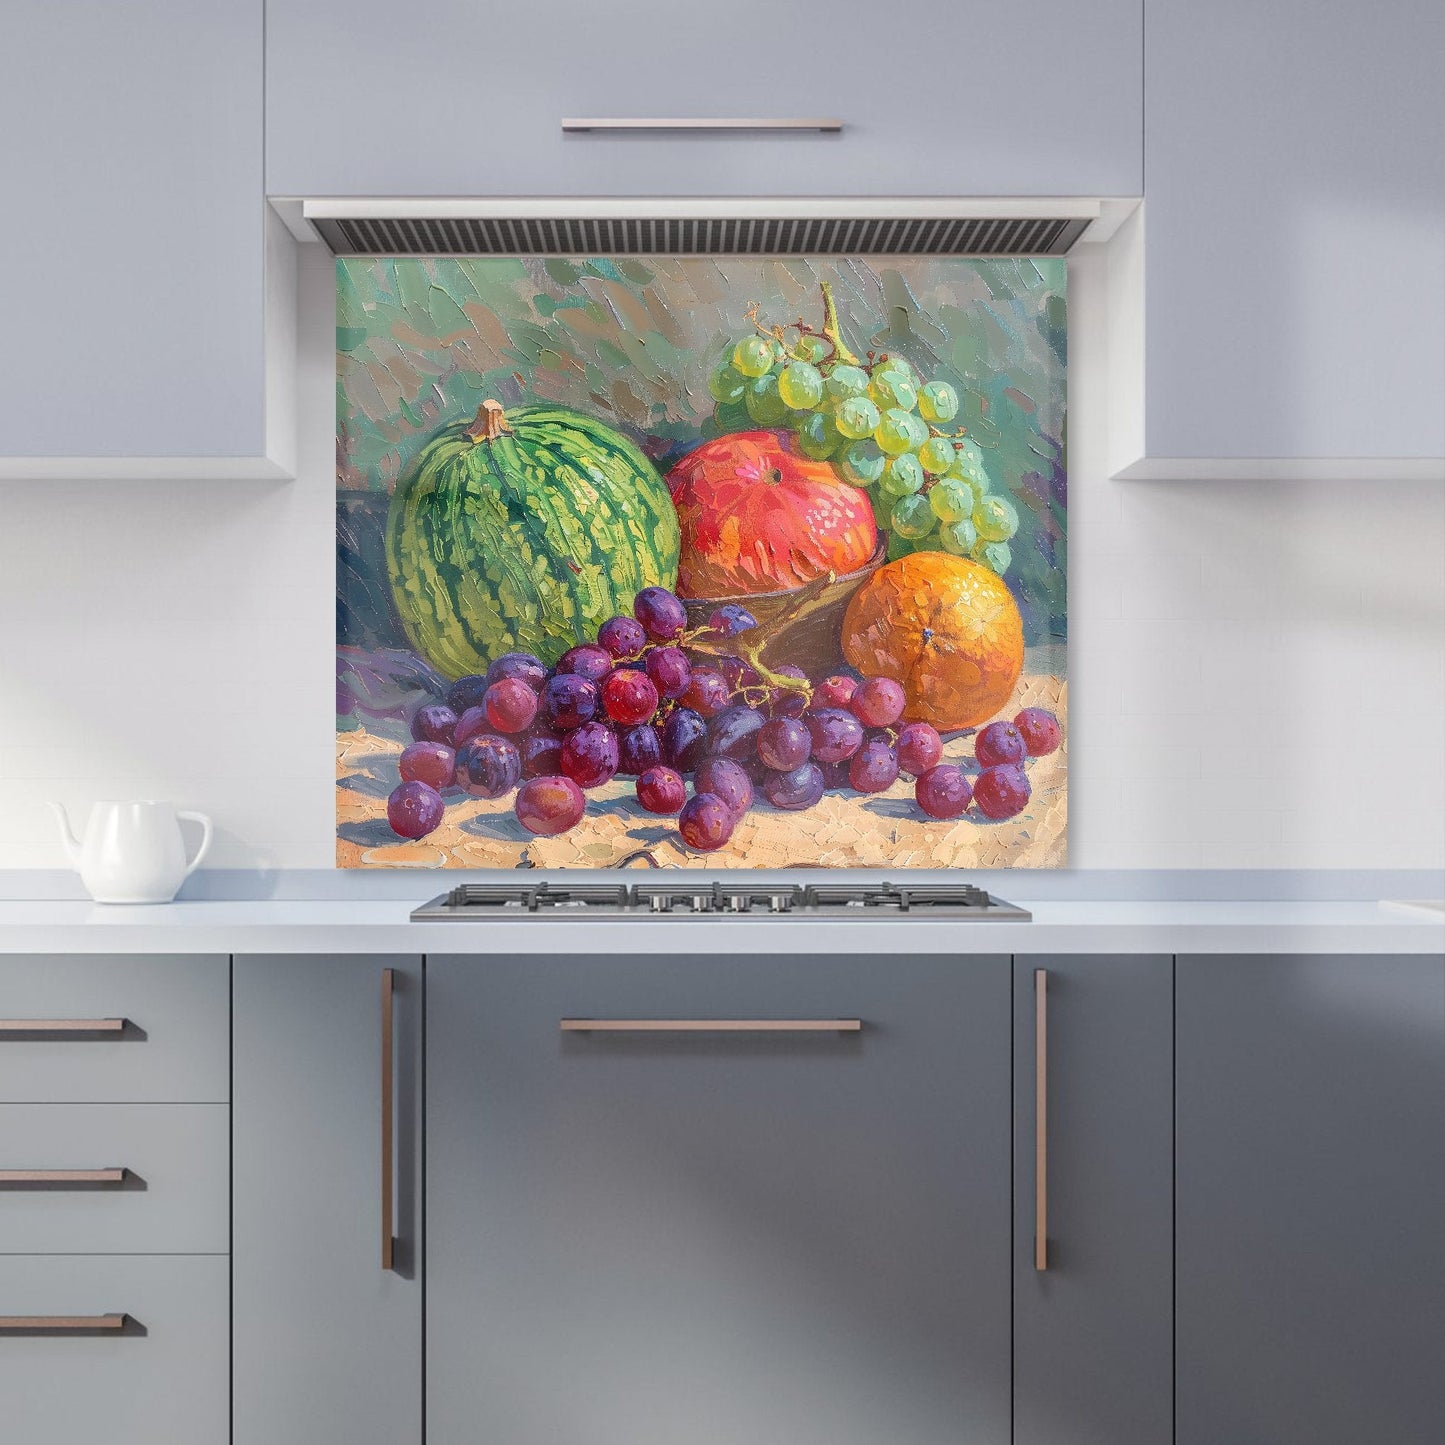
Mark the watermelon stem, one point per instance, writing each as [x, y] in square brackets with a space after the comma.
[489, 423]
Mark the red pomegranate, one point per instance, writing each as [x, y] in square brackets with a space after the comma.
[758, 516]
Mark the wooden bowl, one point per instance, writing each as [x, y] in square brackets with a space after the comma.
[813, 640]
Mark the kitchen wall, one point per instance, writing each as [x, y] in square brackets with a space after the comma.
[1258, 669]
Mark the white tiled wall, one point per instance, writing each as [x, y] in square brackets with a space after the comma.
[1258, 670]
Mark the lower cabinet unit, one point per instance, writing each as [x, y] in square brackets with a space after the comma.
[1093, 1355]
[1310, 1140]
[640, 1236]
[326, 1341]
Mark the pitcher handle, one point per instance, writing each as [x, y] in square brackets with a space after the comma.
[201, 852]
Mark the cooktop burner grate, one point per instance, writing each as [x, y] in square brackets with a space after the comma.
[684, 899]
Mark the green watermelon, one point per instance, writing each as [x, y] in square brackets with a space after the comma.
[523, 531]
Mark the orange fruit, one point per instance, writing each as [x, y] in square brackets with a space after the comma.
[946, 628]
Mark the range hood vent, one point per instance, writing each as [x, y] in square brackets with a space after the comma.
[421, 234]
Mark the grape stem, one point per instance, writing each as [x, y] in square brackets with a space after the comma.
[830, 328]
[749, 646]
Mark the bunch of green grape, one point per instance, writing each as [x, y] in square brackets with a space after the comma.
[881, 427]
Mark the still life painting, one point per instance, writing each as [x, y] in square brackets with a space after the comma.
[725, 562]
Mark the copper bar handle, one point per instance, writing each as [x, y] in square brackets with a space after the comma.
[63, 1176]
[388, 1118]
[1041, 1118]
[697, 124]
[79, 1324]
[711, 1026]
[83, 1028]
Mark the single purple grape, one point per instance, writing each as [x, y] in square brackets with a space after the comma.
[471, 724]
[622, 636]
[467, 692]
[660, 613]
[589, 755]
[943, 792]
[629, 696]
[706, 823]
[998, 744]
[730, 619]
[549, 805]
[414, 809]
[683, 737]
[708, 692]
[541, 754]
[1040, 730]
[588, 660]
[725, 779]
[733, 732]
[796, 790]
[510, 705]
[919, 748]
[669, 670]
[874, 767]
[569, 700]
[878, 702]
[660, 790]
[434, 764]
[784, 743]
[489, 766]
[433, 724]
[835, 775]
[836, 734]
[524, 665]
[1002, 792]
[638, 749]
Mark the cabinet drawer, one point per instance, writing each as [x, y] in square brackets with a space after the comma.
[171, 1198]
[163, 1377]
[173, 1047]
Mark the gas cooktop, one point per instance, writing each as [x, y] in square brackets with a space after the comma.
[950, 901]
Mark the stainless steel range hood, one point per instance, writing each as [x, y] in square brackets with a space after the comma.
[703, 226]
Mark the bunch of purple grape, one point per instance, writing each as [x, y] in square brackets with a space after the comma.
[653, 701]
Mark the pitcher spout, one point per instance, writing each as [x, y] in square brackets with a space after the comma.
[68, 840]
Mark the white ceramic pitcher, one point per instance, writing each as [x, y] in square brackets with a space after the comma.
[133, 852]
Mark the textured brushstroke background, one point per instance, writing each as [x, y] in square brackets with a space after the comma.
[421, 343]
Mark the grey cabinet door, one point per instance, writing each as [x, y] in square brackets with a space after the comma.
[942, 97]
[1093, 1354]
[135, 313]
[158, 1380]
[640, 1239]
[1310, 1193]
[1275, 181]
[327, 1344]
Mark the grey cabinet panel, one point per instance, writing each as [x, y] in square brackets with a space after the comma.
[175, 1050]
[162, 1379]
[1310, 1193]
[176, 1199]
[1041, 98]
[640, 1239]
[1093, 1356]
[1295, 234]
[327, 1345]
[134, 308]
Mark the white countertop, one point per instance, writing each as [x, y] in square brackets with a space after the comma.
[334, 926]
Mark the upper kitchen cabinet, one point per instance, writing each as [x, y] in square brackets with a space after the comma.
[1293, 249]
[937, 98]
[148, 307]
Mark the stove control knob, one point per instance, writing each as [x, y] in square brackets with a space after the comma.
[701, 903]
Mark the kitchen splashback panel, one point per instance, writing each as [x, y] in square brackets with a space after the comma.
[793, 479]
